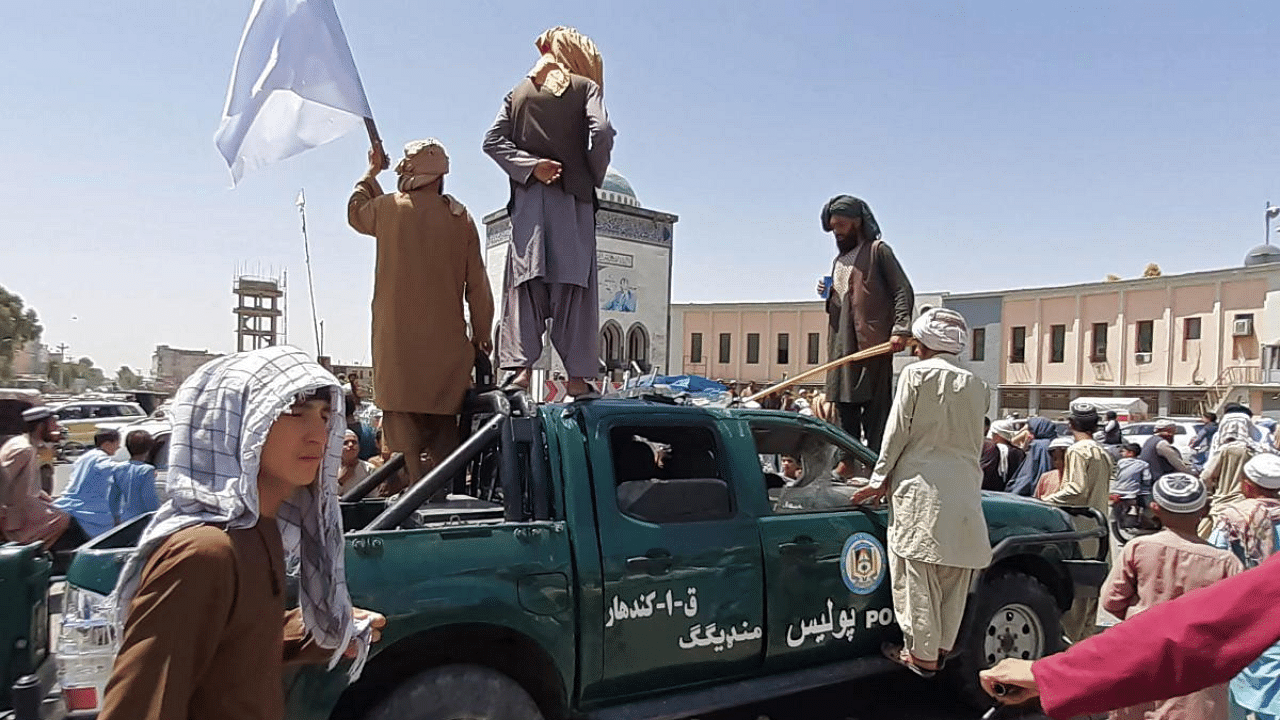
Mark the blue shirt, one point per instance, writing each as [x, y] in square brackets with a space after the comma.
[1257, 687]
[86, 497]
[133, 492]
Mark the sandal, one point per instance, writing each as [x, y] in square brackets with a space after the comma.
[901, 656]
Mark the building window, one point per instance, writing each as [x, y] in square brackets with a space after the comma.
[1191, 328]
[815, 340]
[784, 349]
[1099, 353]
[1145, 340]
[695, 348]
[978, 353]
[725, 347]
[638, 347]
[1018, 346]
[611, 344]
[1057, 343]
[753, 348]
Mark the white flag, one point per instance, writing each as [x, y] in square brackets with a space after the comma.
[294, 85]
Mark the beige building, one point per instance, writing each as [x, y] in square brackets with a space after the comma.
[764, 342]
[170, 366]
[1183, 343]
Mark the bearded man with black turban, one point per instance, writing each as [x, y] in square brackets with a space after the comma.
[870, 302]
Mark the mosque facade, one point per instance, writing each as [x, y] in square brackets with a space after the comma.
[633, 260]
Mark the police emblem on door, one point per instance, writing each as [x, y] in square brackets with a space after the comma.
[863, 565]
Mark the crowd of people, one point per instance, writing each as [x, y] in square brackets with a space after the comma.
[1190, 523]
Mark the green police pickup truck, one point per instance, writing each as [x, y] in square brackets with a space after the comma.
[624, 559]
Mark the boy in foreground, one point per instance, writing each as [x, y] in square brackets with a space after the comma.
[254, 456]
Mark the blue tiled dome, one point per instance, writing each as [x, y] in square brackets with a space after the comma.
[616, 188]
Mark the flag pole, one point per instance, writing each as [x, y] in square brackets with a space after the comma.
[311, 286]
[375, 141]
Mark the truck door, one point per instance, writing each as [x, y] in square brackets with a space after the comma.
[826, 568]
[682, 578]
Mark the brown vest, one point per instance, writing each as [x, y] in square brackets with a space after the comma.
[555, 128]
[869, 297]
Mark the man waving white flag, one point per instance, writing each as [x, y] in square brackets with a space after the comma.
[294, 85]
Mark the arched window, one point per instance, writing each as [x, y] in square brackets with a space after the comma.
[611, 345]
[638, 347]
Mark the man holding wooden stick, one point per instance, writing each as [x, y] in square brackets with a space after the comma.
[869, 302]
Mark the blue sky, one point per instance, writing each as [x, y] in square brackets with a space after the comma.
[1000, 144]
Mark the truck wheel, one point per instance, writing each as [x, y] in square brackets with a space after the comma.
[1016, 617]
[458, 692]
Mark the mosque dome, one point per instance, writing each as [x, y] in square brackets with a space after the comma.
[1262, 255]
[617, 189]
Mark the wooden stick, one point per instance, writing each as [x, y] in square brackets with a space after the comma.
[375, 140]
[870, 352]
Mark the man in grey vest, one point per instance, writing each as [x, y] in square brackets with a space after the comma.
[869, 302]
[553, 138]
[1159, 453]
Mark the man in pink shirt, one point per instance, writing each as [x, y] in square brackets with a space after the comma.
[1199, 640]
[1160, 567]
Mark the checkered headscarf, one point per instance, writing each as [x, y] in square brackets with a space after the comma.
[221, 416]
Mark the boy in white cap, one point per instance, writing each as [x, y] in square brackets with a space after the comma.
[1248, 528]
[1158, 568]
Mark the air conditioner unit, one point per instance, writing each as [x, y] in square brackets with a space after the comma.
[1243, 327]
[1143, 358]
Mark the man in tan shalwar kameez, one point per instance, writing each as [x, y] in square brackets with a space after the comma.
[428, 261]
[929, 469]
[1086, 482]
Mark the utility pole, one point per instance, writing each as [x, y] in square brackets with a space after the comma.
[62, 364]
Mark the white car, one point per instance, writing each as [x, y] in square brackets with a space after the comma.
[1187, 429]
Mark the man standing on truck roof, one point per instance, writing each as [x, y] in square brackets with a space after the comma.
[553, 139]
[428, 262]
[200, 606]
[929, 470]
[869, 302]
[27, 513]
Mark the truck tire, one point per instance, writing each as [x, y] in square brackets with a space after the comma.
[1016, 616]
[458, 692]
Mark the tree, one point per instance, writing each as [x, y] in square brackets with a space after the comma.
[18, 326]
[82, 371]
[127, 379]
[1153, 270]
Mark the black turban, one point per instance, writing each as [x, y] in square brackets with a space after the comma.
[851, 207]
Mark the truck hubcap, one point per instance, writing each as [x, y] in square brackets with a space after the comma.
[1014, 632]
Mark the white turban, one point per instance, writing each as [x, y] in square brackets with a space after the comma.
[941, 330]
[1264, 471]
[1006, 429]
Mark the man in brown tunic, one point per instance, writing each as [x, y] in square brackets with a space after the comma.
[870, 302]
[428, 262]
